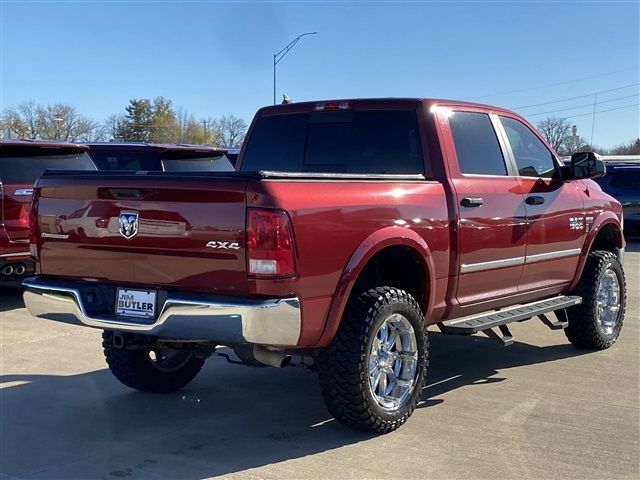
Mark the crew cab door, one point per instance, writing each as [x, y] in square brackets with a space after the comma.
[491, 224]
[554, 209]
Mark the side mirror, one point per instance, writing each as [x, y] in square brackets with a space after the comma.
[585, 165]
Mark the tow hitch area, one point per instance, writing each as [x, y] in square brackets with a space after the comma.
[486, 322]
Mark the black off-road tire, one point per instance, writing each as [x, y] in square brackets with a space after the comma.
[584, 330]
[343, 369]
[136, 369]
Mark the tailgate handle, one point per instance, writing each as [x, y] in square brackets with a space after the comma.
[472, 202]
[535, 200]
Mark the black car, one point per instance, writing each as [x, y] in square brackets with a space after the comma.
[232, 155]
[159, 157]
[622, 182]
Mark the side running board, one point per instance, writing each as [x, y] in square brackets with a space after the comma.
[487, 321]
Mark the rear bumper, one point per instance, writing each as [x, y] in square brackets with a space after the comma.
[181, 316]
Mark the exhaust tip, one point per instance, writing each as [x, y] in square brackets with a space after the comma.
[285, 361]
[20, 269]
[269, 357]
[7, 270]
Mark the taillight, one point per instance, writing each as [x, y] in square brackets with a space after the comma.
[102, 222]
[33, 226]
[23, 216]
[269, 244]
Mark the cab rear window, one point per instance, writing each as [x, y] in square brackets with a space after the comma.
[374, 142]
[126, 159]
[27, 169]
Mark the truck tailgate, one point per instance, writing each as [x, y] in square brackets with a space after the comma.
[146, 229]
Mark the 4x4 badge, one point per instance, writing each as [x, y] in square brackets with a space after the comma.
[128, 224]
[223, 245]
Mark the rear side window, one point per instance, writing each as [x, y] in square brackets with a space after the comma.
[477, 146]
[375, 142]
[532, 157]
[27, 169]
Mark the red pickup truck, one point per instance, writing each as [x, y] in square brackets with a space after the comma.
[21, 163]
[349, 228]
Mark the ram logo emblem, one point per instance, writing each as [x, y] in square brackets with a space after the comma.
[128, 224]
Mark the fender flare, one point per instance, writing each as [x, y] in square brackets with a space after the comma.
[374, 243]
[604, 219]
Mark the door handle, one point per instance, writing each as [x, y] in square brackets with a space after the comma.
[534, 200]
[472, 202]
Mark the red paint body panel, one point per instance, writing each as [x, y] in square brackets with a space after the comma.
[338, 225]
[176, 223]
[15, 205]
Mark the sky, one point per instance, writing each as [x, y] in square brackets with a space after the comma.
[214, 58]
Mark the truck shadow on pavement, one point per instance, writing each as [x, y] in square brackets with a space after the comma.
[230, 419]
[10, 298]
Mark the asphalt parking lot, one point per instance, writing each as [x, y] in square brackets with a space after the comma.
[538, 409]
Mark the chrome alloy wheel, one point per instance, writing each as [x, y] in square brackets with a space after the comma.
[608, 302]
[393, 362]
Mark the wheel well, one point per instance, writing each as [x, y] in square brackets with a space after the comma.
[397, 266]
[608, 239]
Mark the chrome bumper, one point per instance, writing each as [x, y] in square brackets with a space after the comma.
[185, 317]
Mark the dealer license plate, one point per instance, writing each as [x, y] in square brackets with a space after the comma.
[136, 303]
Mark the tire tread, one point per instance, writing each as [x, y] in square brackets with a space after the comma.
[342, 380]
[582, 330]
[135, 371]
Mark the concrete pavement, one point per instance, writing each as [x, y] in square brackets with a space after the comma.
[538, 409]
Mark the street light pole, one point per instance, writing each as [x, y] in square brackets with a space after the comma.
[58, 119]
[280, 55]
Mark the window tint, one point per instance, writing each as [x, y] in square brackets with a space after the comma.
[26, 170]
[625, 179]
[212, 164]
[532, 156]
[339, 142]
[125, 159]
[476, 144]
[276, 143]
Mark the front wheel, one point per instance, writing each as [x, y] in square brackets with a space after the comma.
[596, 323]
[373, 372]
[150, 369]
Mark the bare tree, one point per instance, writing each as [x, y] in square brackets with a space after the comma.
[110, 126]
[62, 122]
[555, 130]
[57, 122]
[232, 131]
[199, 132]
[573, 144]
[214, 134]
[631, 148]
[23, 121]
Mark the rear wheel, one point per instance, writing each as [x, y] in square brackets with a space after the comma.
[151, 369]
[374, 370]
[596, 323]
